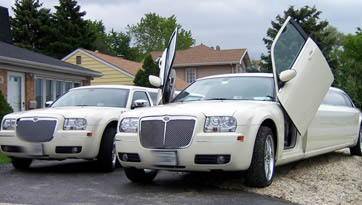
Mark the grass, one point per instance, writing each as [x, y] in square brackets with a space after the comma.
[4, 159]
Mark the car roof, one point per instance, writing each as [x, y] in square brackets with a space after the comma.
[117, 87]
[269, 75]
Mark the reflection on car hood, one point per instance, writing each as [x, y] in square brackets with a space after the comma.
[208, 108]
[67, 112]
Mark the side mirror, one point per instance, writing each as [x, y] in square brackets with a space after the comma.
[287, 75]
[48, 103]
[140, 103]
[155, 81]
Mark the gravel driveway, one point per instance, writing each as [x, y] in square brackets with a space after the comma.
[334, 178]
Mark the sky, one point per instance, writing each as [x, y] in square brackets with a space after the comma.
[227, 23]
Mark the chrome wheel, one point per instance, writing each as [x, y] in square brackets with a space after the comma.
[269, 157]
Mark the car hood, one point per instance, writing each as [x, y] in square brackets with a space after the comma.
[69, 112]
[206, 108]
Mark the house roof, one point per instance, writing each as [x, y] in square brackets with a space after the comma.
[121, 64]
[203, 55]
[13, 55]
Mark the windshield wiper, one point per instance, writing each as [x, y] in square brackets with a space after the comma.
[218, 99]
[82, 105]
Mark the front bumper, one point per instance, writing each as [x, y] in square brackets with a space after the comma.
[202, 144]
[64, 145]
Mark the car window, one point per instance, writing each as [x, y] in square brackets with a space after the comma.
[229, 88]
[287, 48]
[140, 95]
[337, 98]
[153, 97]
[101, 97]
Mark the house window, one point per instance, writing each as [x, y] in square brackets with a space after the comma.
[67, 86]
[75, 85]
[58, 89]
[39, 93]
[50, 90]
[190, 75]
[79, 60]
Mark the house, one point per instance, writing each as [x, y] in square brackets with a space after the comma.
[116, 70]
[201, 61]
[29, 79]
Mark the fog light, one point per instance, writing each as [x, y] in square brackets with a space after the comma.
[220, 160]
[74, 149]
[124, 157]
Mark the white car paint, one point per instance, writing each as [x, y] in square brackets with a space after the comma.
[98, 118]
[300, 125]
[328, 131]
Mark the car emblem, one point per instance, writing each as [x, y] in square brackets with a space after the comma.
[166, 118]
[35, 119]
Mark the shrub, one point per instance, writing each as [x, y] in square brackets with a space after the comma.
[5, 108]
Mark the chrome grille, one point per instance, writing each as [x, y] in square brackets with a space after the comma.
[157, 133]
[35, 129]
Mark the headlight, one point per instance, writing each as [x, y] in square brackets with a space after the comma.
[9, 124]
[75, 124]
[220, 124]
[129, 124]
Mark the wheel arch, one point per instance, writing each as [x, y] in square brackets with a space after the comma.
[271, 124]
[112, 123]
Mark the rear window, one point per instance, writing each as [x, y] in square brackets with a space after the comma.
[337, 98]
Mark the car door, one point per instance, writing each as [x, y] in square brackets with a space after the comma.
[167, 73]
[336, 122]
[297, 56]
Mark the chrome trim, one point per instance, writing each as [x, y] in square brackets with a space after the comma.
[171, 117]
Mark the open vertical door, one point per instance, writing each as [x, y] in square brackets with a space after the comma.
[167, 77]
[301, 73]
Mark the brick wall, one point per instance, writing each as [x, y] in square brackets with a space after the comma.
[29, 89]
[86, 82]
[4, 82]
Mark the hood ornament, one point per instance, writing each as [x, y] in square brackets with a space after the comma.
[166, 118]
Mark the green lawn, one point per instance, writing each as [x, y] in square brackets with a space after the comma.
[4, 159]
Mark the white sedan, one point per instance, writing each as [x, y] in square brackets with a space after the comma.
[236, 122]
[81, 124]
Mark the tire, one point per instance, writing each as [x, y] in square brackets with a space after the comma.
[140, 175]
[107, 156]
[21, 163]
[357, 149]
[261, 170]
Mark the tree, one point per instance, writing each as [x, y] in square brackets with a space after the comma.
[31, 25]
[350, 67]
[118, 43]
[153, 33]
[149, 67]
[307, 17]
[98, 28]
[72, 31]
[5, 108]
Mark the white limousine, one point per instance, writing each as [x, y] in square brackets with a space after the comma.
[81, 124]
[237, 122]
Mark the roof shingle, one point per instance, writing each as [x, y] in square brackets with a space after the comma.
[13, 52]
[126, 65]
[202, 54]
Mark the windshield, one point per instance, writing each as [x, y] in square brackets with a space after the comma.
[100, 97]
[229, 88]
